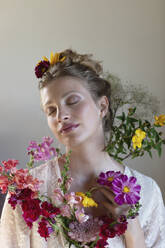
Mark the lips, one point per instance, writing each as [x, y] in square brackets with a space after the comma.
[68, 127]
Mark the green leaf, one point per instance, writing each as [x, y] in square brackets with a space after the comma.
[150, 154]
[131, 119]
[158, 147]
[119, 117]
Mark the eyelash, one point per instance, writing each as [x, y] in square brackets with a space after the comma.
[51, 112]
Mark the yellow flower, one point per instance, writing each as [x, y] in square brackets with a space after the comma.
[55, 58]
[45, 58]
[141, 134]
[87, 201]
[137, 141]
[160, 120]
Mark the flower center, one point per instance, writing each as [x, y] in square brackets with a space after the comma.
[110, 179]
[126, 189]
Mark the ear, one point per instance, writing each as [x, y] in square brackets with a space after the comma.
[103, 106]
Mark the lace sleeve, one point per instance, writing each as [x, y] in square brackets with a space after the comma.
[154, 228]
[13, 231]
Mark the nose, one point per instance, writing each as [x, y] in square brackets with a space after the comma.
[62, 115]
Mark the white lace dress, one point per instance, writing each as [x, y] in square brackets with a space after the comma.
[15, 234]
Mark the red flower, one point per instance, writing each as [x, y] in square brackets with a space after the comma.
[31, 210]
[101, 243]
[120, 228]
[13, 200]
[10, 164]
[107, 232]
[44, 229]
[48, 210]
[4, 182]
[41, 68]
[25, 194]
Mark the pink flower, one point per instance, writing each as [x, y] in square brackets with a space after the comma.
[86, 231]
[81, 216]
[42, 151]
[68, 183]
[126, 190]
[65, 211]
[10, 164]
[58, 197]
[23, 179]
[72, 199]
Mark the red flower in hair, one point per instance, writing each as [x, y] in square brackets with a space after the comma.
[41, 68]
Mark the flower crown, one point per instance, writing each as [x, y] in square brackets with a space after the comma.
[44, 65]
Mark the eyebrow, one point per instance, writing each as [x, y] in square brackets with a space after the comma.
[69, 92]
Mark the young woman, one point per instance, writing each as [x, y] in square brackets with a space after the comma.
[76, 101]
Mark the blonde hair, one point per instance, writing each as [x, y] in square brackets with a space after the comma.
[84, 67]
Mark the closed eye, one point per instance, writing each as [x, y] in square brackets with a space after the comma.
[73, 100]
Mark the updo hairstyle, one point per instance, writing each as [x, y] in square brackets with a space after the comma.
[83, 67]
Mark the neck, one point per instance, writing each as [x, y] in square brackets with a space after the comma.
[90, 159]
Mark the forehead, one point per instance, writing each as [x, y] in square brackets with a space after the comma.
[60, 88]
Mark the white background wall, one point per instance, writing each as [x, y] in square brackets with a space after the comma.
[127, 35]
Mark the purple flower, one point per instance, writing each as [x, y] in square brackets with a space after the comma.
[42, 151]
[126, 190]
[108, 177]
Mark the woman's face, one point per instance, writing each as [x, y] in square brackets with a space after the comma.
[71, 112]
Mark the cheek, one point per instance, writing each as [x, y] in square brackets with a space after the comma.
[51, 123]
[88, 112]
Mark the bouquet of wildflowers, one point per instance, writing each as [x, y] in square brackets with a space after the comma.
[68, 214]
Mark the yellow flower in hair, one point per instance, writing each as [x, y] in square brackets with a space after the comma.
[160, 120]
[45, 58]
[54, 58]
[87, 201]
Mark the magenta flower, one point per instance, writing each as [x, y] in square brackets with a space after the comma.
[42, 151]
[108, 177]
[126, 190]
